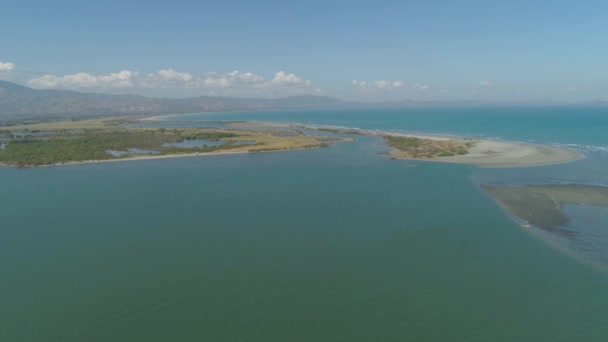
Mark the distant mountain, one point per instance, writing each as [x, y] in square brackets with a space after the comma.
[18, 102]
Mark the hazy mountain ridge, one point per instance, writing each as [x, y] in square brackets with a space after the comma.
[20, 102]
[17, 101]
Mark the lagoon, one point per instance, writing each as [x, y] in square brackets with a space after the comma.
[339, 244]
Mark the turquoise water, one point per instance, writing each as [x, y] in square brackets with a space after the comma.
[335, 244]
[582, 129]
[564, 125]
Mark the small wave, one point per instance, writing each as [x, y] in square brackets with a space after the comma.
[589, 148]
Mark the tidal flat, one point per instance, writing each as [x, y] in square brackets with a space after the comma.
[543, 205]
[480, 152]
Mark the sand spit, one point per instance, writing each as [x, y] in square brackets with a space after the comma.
[483, 153]
[151, 157]
[542, 205]
[492, 153]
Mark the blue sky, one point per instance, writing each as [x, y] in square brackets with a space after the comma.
[382, 50]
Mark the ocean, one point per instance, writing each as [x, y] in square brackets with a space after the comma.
[333, 244]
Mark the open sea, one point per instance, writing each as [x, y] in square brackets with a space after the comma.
[333, 244]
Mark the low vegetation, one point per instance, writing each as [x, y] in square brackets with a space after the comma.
[65, 142]
[338, 130]
[418, 148]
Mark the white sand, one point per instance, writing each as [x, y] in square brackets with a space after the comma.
[166, 156]
[488, 153]
[492, 153]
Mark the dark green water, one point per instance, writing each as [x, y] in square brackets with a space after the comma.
[338, 244]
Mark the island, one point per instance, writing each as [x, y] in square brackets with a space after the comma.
[479, 152]
[116, 139]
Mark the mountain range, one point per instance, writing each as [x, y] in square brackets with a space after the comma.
[19, 102]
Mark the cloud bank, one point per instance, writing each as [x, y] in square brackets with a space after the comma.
[233, 79]
[83, 80]
[378, 85]
[282, 78]
[480, 85]
[231, 83]
[422, 87]
[6, 66]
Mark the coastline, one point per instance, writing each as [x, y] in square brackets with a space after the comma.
[484, 153]
[152, 157]
[498, 153]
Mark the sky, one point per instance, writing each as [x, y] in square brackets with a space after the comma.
[368, 51]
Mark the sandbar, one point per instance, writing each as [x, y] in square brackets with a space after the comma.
[484, 153]
[542, 205]
[497, 153]
[493, 153]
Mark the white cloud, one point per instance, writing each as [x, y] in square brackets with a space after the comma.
[6, 66]
[397, 84]
[479, 86]
[172, 75]
[422, 87]
[382, 84]
[283, 79]
[248, 83]
[234, 83]
[164, 78]
[231, 79]
[246, 77]
[220, 82]
[122, 79]
[119, 80]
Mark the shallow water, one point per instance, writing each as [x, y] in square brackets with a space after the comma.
[336, 244]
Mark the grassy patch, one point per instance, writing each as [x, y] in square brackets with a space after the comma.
[91, 139]
[412, 147]
[339, 131]
[90, 145]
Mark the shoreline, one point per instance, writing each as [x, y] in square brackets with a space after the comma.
[486, 153]
[509, 154]
[153, 157]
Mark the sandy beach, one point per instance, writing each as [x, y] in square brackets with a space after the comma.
[151, 157]
[485, 153]
[492, 153]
